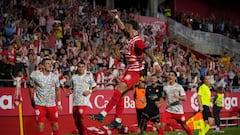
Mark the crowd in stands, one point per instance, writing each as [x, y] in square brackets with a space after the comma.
[72, 32]
[210, 24]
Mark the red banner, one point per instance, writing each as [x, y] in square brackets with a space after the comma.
[98, 101]
[157, 25]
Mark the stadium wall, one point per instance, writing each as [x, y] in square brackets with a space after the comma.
[9, 112]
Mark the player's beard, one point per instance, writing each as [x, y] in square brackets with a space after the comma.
[48, 70]
[127, 34]
[80, 72]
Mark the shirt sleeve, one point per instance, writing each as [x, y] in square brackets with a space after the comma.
[182, 91]
[200, 91]
[32, 79]
[139, 43]
[57, 82]
[162, 92]
[92, 81]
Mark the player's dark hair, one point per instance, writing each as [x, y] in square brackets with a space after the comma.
[45, 59]
[65, 73]
[134, 24]
[175, 73]
[81, 62]
[154, 75]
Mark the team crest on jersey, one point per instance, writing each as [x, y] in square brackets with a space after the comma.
[183, 118]
[53, 82]
[88, 72]
[128, 77]
[37, 112]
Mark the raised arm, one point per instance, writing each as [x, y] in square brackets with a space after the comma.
[150, 54]
[119, 22]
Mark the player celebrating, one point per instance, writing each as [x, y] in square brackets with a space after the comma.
[134, 51]
[175, 94]
[83, 85]
[47, 91]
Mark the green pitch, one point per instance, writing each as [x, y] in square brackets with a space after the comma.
[227, 131]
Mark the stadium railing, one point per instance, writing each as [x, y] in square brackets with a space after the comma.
[230, 121]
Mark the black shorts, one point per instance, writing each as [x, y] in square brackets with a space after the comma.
[151, 115]
[206, 112]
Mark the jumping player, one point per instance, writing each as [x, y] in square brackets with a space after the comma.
[134, 51]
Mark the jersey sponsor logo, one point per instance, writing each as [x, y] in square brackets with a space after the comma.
[183, 118]
[128, 77]
[6, 102]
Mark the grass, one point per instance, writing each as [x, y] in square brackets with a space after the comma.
[227, 131]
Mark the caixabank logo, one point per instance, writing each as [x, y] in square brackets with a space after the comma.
[228, 102]
[100, 101]
[6, 102]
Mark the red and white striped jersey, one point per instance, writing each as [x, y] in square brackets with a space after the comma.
[134, 53]
[212, 65]
[19, 31]
[37, 46]
[115, 28]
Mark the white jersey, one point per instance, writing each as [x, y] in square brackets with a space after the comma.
[174, 105]
[81, 84]
[46, 94]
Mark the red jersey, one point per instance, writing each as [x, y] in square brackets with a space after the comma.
[10, 55]
[134, 53]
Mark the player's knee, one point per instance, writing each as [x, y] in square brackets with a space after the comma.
[55, 126]
[162, 125]
[40, 127]
[157, 125]
[122, 87]
[81, 119]
[211, 121]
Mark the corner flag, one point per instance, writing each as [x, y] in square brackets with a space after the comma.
[18, 102]
[196, 121]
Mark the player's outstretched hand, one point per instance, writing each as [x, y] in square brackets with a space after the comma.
[114, 13]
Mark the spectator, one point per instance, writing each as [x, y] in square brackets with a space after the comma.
[22, 77]
[100, 78]
[235, 82]
[65, 83]
[94, 67]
